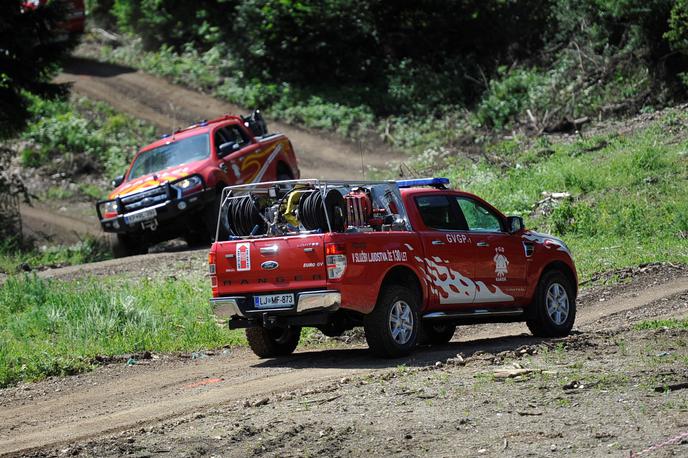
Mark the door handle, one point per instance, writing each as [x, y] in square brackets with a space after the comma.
[269, 250]
[437, 242]
[482, 244]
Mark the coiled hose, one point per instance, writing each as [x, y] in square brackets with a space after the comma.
[312, 214]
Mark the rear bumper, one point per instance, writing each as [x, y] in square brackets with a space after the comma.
[307, 301]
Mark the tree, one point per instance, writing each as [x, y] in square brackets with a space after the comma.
[30, 51]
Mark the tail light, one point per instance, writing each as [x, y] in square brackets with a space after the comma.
[212, 270]
[335, 258]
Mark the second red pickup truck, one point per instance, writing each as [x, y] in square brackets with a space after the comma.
[172, 187]
[407, 260]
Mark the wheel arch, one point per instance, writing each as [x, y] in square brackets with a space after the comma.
[282, 168]
[404, 276]
[564, 268]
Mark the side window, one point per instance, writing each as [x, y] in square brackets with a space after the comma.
[236, 135]
[439, 213]
[230, 133]
[478, 217]
[220, 138]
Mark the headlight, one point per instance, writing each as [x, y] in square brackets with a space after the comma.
[108, 207]
[188, 183]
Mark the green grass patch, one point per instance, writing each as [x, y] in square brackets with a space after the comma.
[13, 255]
[628, 192]
[671, 323]
[58, 327]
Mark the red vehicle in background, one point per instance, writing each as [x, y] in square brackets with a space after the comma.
[173, 186]
[407, 260]
[75, 14]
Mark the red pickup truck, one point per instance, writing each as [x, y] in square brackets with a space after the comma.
[172, 187]
[407, 260]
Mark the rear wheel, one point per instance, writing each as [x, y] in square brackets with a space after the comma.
[123, 245]
[436, 333]
[268, 343]
[391, 329]
[554, 307]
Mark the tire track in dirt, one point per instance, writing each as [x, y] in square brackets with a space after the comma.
[132, 397]
[170, 106]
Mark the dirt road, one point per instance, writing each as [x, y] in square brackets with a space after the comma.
[117, 397]
[169, 106]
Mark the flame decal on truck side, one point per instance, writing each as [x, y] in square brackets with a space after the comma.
[454, 288]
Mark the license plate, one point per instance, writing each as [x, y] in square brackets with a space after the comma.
[273, 301]
[143, 215]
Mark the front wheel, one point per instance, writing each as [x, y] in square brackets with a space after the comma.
[210, 217]
[123, 245]
[269, 343]
[391, 329]
[554, 306]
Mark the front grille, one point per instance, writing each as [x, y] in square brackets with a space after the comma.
[144, 199]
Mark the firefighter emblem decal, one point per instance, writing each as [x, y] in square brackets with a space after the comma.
[501, 264]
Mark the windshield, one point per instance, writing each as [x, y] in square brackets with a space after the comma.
[177, 153]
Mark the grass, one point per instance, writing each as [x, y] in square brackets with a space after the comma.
[627, 203]
[50, 327]
[671, 323]
[13, 256]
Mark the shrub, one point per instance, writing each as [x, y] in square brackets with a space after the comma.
[78, 136]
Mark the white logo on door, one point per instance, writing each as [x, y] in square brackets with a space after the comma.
[501, 264]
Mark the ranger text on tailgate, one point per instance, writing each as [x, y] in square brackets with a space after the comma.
[407, 260]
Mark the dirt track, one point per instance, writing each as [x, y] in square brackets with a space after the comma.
[117, 397]
[169, 106]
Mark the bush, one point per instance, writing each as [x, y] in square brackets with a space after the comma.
[79, 136]
[509, 97]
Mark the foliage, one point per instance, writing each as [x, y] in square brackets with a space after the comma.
[79, 136]
[627, 202]
[171, 22]
[16, 255]
[29, 55]
[59, 327]
[671, 323]
[468, 65]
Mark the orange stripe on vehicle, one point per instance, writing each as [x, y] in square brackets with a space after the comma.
[254, 160]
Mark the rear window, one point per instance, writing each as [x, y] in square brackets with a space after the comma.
[437, 212]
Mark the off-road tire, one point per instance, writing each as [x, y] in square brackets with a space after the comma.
[269, 343]
[123, 245]
[377, 324]
[436, 333]
[210, 213]
[197, 239]
[540, 323]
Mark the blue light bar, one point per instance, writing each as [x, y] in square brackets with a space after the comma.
[165, 135]
[435, 182]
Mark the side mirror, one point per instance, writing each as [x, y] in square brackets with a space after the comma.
[229, 148]
[117, 181]
[514, 224]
